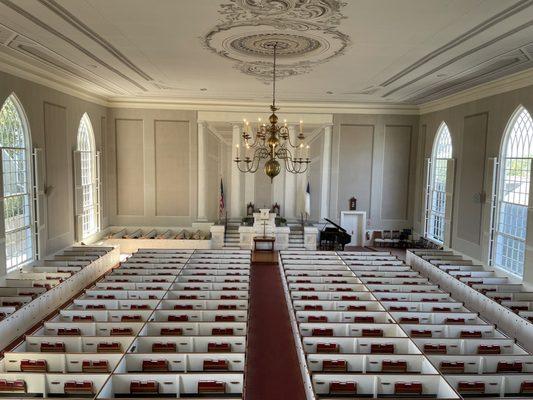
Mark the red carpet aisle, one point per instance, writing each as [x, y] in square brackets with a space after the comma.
[273, 371]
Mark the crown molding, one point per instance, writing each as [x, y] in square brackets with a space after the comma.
[24, 70]
[506, 84]
[244, 106]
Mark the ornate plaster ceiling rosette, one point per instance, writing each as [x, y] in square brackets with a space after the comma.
[305, 31]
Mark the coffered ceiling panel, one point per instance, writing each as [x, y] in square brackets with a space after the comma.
[385, 51]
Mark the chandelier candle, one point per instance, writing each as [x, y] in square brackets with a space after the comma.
[272, 143]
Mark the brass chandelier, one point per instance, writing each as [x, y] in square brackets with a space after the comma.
[272, 143]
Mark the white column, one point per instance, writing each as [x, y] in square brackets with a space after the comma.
[326, 172]
[289, 203]
[249, 188]
[202, 171]
[236, 206]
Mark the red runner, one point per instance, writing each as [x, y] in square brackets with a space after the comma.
[273, 370]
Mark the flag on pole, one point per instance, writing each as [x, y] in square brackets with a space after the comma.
[308, 199]
[221, 204]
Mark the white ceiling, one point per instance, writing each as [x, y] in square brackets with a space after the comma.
[386, 51]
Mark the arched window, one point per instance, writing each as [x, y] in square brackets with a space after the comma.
[87, 152]
[513, 193]
[16, 181]
[436, 202]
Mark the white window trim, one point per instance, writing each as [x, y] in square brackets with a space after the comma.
[29, 186]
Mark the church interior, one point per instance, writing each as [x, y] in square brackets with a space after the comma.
[266, 199]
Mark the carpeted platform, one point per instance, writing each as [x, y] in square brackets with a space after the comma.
[272, 370]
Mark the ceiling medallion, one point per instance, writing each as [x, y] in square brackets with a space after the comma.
[305, 32]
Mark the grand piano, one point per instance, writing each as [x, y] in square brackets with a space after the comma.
[333, 237]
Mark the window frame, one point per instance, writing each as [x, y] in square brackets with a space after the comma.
[29, 178]
[500, 182]
[90, 210]
[436, 218]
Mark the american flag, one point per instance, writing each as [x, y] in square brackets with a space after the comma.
[221, 205]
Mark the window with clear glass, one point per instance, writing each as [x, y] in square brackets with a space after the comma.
[88, 177]
[16, 181]
[436, 206]
[513, 194]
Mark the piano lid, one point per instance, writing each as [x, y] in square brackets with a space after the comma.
[335, 225]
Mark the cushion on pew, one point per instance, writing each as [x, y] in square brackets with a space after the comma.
[504, 366]
[183, 307]
[68, 332]
[322, 332]
[131, 318]
[76, 387]
[378, 348]
[159, 347]
[313, 308]
[33, 365]
[178, 318]
[16, 304]
[222, 331]
[408, 388]
[94, 366]
[327, 348]
[435, 348]
[363, 320]
[452, 367]
[309, 297]
[225, 318]
[372, 333]
[398, 308]
[219, 347]
[17, 385]
[121, 332]
[345, 388]
[526, 387]
[228, 297]
[216, 365]
[227, 307]
[421, 333]
[489, 349]
[155, 365]
[95, 307]
[394, 366]
[185, 297]
[208, 387]
[349, 298]
[441, 309]
[317, 319]
[356, 308]
[144, 387]
[303, 281]
[139, 307]
[171, 332]
[105, 296]
[454, 321]
[154, 287]
[470, 334]
[57, 347]
[409, 320]
[464, 387]
[334, 366]
[340, 289]
[82, 318]
[109, 347]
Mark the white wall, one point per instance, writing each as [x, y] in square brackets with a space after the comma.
[53, 119]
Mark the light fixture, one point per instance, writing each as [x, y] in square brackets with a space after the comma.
[272, 143]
